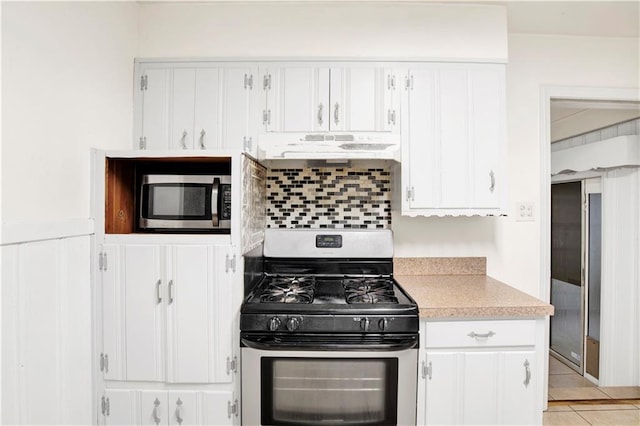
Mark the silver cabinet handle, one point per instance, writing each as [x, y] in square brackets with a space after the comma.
[336, 113]
[106, 363]
[475, 335]
[179, 411]
[183, 139]
[320, 114]
[170, 291]
[156, 411]
[202, 134]
[158, 293]
[527, 373]
[493, 181]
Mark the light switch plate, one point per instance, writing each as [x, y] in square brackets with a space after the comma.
[524, 212]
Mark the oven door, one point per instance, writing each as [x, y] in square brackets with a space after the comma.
[361, 387]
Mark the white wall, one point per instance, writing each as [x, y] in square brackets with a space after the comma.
[67, 84]
[329, 30]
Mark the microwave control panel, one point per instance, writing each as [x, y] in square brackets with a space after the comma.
[225, 212]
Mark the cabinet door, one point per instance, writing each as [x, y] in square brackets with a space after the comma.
[237, 90]
[118, 407]
[154, 408]
[518, 388]
[298, 99]
[356, 99]
[206, 127]
[155, 110]
[480, 388]
[442, 387]
[453, 111]
[183, 408]
[487, 125]
[217, 408]
[112, 314]
[190, 302]
[143, 312]
[183, 94]
[422, 153]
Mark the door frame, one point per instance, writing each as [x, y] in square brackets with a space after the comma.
[547, 93]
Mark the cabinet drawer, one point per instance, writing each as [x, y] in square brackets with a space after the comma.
[475, 334]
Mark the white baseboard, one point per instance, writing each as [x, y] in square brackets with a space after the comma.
[23, 232]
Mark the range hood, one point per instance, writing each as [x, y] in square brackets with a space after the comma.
[329, 146]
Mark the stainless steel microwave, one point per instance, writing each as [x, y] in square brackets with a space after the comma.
[185, 203]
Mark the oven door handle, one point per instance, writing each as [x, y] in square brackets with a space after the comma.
[308, 342]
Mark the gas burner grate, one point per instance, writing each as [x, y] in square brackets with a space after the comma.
[369, 290]
[289, 290]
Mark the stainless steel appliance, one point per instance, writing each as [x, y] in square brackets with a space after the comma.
[327, 334]
[185, 202]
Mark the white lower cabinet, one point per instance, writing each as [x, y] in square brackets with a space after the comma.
[168, 408]
[479, 372]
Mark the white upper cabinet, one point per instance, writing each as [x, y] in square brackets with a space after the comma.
[453, 140]
[182, 107]
[301, 98]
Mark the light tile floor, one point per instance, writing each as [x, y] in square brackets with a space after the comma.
[570, 395]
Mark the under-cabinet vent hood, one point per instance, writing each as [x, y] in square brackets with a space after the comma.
[329, 146]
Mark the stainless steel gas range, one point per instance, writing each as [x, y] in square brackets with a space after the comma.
[327, 334]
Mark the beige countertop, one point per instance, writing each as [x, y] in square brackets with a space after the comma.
[442, 294]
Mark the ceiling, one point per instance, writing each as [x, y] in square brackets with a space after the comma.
[580, 18]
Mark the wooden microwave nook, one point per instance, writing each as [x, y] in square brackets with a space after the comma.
[122, 182]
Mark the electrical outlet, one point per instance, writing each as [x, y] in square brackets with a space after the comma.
[524, 212]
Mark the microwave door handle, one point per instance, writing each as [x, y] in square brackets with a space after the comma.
[215, 190]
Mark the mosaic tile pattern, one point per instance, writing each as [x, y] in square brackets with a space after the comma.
[254, 179]
[328, 198]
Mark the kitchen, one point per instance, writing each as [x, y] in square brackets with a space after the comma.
[63, 58]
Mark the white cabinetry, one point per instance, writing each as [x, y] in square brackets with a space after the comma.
[194, 106]
[167, 408]
[165, 308]
[480, 372]
[453, 140]
[312, 98]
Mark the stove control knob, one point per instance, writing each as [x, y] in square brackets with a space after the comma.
[274, 323]
[293, 323]
[364, 324]
[382, 324]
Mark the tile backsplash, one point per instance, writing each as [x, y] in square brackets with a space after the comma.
[328, 198]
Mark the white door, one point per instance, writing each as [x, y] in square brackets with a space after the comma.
[190, 301]
[487, 127]
[422, 155]
[480, 388]
[112, 313]
[237, 89]
[519, 388]
[155, 110]
[206, 127]
[442, 388]
[118, 407]
[183, 408]
[298, 99]
[356, 99]
[154, 408]
[218, 408]
[183, 95]
[453, 111]
[143, 312]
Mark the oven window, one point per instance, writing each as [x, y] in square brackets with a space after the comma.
[178, 201]
[345, 391]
